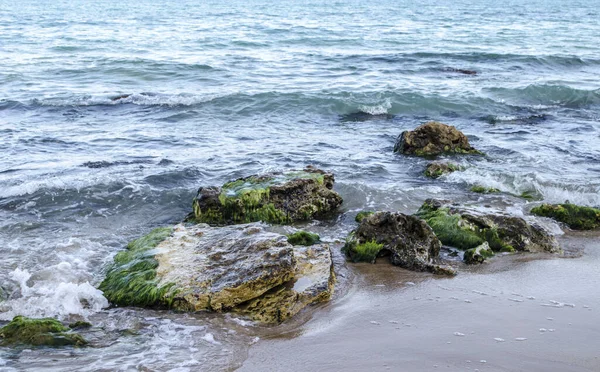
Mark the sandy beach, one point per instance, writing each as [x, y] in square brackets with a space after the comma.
[518, 313]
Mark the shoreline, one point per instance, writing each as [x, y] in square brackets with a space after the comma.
[394, 319]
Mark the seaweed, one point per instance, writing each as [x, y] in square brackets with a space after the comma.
[131, 280]
[303, 238]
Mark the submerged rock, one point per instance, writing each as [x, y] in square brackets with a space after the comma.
[233, 268]
[484, 190]
[574, 216]
[80, 324]
[276, 198]
[466, 228]
[433, 138]
[478, 254]
[408, 240]
[38, 332]
[438, 169]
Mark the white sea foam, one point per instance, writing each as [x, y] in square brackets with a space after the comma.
[210, 338]
[517, 184]
[51, 297]
[380, 109]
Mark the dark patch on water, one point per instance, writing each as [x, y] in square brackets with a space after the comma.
[364, 116]
[181, 178]
[165, 162]
[106, 164]
[460, 71]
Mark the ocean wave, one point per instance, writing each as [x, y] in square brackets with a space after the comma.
[548, 95]
[529, 183]
[336, 103]
[477, 57]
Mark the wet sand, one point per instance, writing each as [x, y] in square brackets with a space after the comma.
[517, 313]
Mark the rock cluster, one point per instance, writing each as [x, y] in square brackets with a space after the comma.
[468, 228]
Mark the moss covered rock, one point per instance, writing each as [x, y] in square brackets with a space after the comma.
[38, 332]
[217, 268]
[466, 228]
[574, 216]
[484, 190]
[303, 238]
[361, 215]
[432, 139]
[407, 240]
[478, 254]
[276, 198]
[438, 169]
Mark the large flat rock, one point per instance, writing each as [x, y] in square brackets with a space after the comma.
[241, 268]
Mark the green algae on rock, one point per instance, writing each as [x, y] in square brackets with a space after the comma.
[131, 280]
[361, 215]
[407, 240]
[484, 190]
[364, 252]
[478, 254]
[466, 228]
[199, 267]
[433, 138]
[278, 198]
[438, 169]
[303, 238]
[38, 332]
[574, 216]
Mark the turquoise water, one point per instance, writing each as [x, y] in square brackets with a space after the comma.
[112, 114]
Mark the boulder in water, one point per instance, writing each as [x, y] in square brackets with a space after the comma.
[407, 240]
[433, 138]
[240, 268]
[38, 332]
[276, 198]
[469, 227]
[574, 216]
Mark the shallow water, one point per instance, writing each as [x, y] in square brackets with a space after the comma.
[112, 114]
